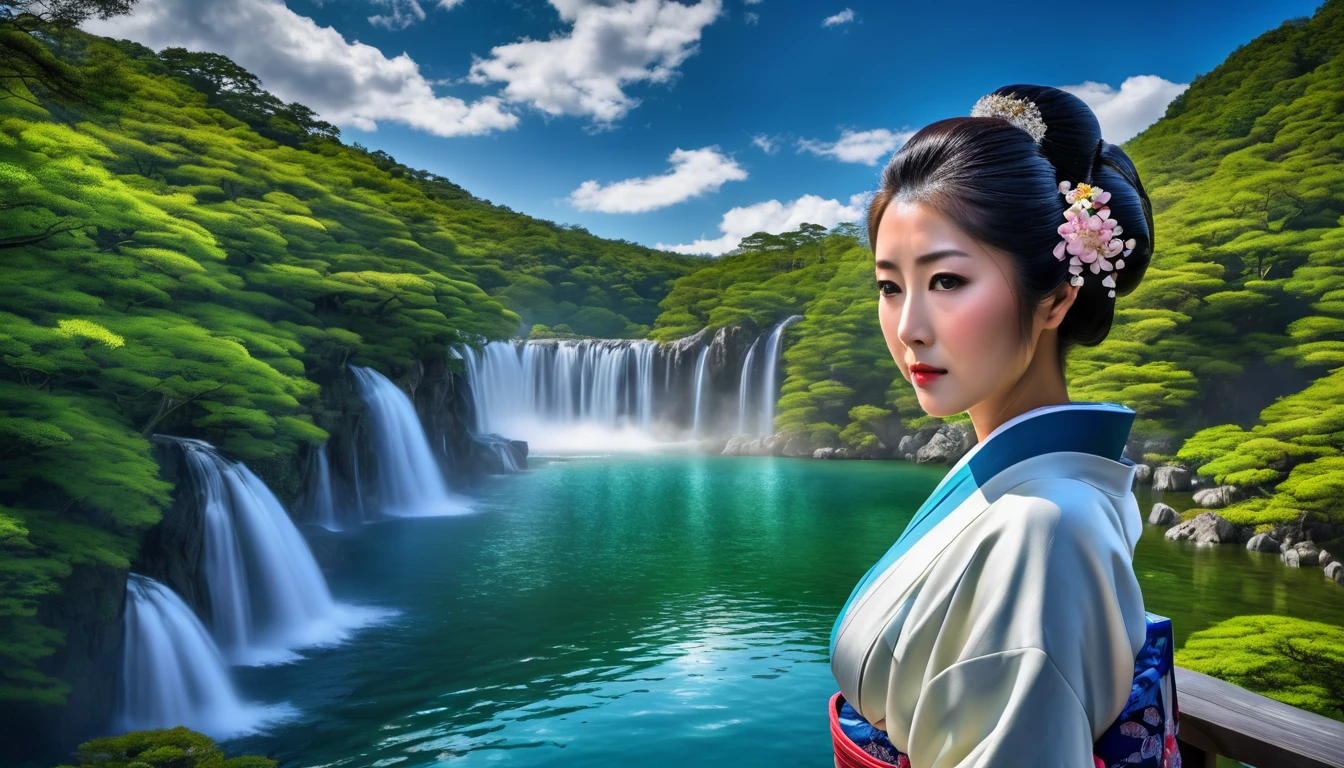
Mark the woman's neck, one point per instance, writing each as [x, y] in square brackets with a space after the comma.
[1040, 385]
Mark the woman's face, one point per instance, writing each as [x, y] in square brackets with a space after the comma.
[946, 301]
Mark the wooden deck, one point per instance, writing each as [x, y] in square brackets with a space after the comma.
[1219, 718]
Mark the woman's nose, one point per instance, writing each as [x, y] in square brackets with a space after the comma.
[913, 326]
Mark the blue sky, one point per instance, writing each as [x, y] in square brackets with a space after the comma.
[683, 125]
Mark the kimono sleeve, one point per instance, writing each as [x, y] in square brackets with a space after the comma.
[1034, 656]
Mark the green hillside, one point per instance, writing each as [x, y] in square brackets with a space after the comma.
[183, 252]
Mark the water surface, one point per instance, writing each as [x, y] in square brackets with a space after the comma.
[652, 610]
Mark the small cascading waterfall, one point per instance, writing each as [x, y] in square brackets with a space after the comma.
[359, 486]
[410, 482]
[173, 673]
[769, 385]
[499, 445]
[699, 388]
[267, 594]
[321, 505]
[744, 414]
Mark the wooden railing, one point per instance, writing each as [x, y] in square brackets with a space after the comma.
[1219, 718]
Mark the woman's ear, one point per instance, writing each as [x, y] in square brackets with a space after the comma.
[1058, 303]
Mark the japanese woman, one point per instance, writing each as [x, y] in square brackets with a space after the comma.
[1005, 626]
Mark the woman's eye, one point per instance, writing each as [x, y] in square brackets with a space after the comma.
[887, 288]
[944, 278]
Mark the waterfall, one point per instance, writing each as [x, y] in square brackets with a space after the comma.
[566, 395]
[410, 482]
[562, 395]
[699, 388]
[644, 355]
[320, 504]
[743, 387]
[770, 387]
[173, 674]
[267, 594]
[359, 487]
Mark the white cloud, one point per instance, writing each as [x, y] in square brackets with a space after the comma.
[694, 172]
[774, 217]
[1140, 102]
[403, 13]
[609, 46]
[865, 147]
[751, 18]
[767, 144]
[349, 84]
[843, 17]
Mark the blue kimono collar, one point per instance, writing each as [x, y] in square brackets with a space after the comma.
[1101, 429]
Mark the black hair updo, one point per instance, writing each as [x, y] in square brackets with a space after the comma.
[992, 179]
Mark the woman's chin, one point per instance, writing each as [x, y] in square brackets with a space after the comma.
[937, 407]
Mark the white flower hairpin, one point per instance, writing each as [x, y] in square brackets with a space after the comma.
[1019, 111]
[1090, 234]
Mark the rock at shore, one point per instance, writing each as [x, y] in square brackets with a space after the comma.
[1164, 515]
[1335, 572]
[948, 444]
[1263, 542]
[1301, 554]
[1215, 498]
[1205, 528]
[1143, 474]
[1171, 478]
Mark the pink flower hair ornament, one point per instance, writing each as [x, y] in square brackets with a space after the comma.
[1091, 235]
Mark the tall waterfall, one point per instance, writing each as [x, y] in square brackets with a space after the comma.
[699, 389]
[578, 394]
[172, 672]
[267, 594]
[410, 482]
[769, 384]
[745, 425]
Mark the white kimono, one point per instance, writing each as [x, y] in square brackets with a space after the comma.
[1007, 635]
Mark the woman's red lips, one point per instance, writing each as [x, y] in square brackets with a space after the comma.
[923, 375]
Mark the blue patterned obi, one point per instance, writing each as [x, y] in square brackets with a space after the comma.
[1144, 735]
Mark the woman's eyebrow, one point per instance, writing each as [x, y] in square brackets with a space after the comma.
[928, 257]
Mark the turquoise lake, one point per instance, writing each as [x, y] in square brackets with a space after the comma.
[650, 610]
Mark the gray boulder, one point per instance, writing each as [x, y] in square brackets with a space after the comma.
[1301, 554]
[831, 453]
[1171, 478]
[1262, 542]
[1215, 498]
[1324, 559]
[1163, 515]
[912, 443]
[948, 444]
[1143, 474]
[1205, 528]
[1335, 572]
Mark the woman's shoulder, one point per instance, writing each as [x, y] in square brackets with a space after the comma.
[1056, 509]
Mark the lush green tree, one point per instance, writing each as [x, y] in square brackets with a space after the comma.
[1292, 660]
[177, 747]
